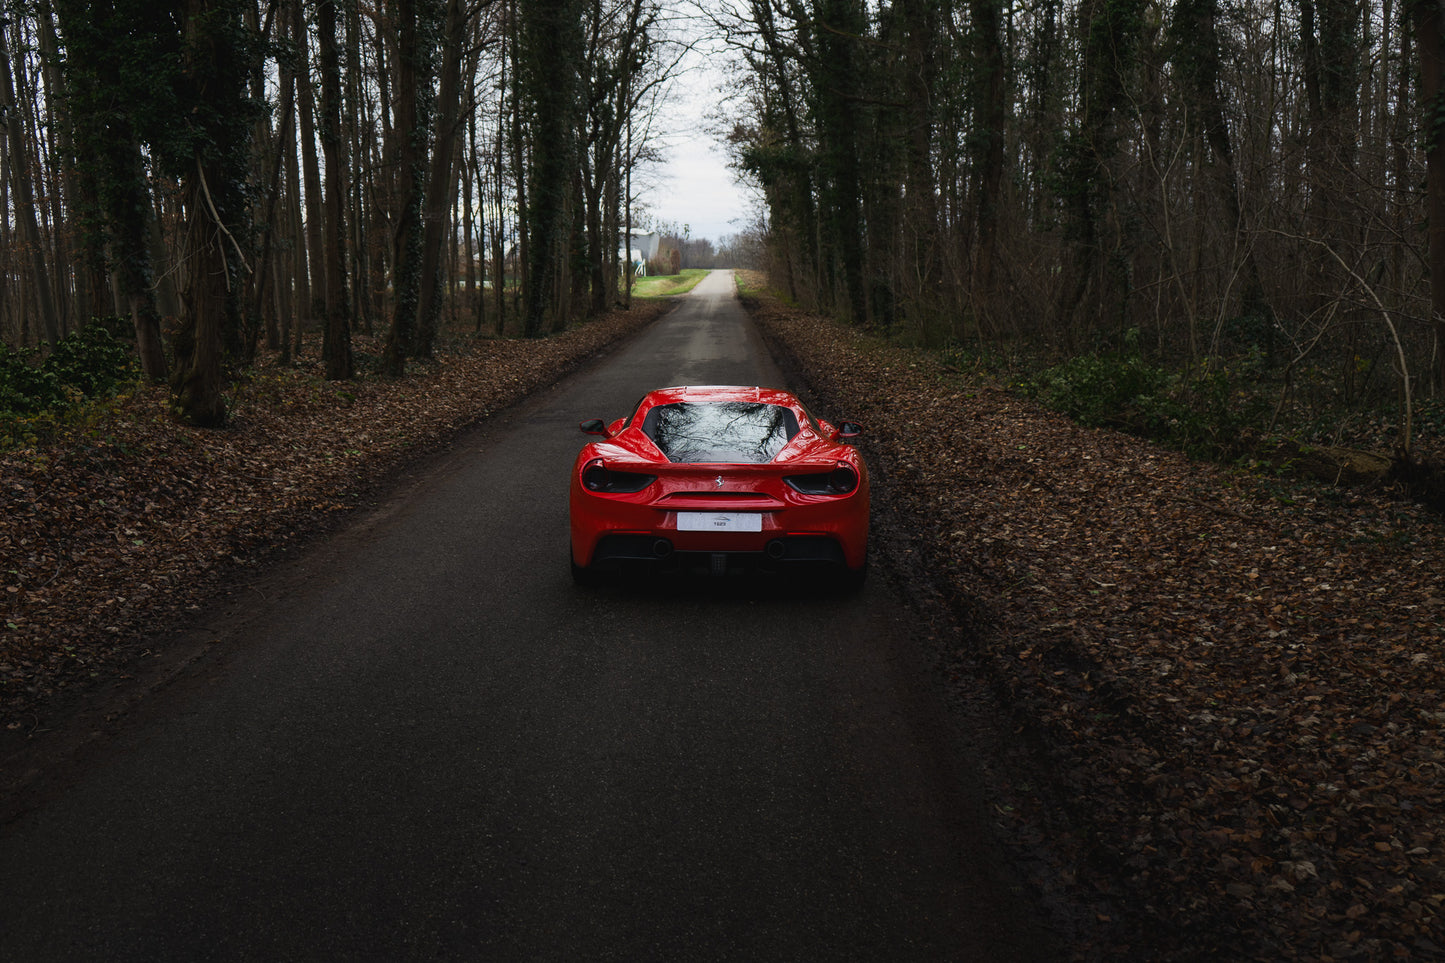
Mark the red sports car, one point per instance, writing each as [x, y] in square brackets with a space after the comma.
[720, 477]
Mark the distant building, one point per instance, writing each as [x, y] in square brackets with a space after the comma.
[640, 249]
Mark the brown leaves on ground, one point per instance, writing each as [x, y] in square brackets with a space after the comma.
[1239, 684]
[111, 532]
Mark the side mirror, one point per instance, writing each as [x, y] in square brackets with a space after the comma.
[849, 429]
[594, 427]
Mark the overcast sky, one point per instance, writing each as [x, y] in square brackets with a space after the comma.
[695, 187]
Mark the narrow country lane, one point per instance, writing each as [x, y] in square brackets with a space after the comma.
[421, 741]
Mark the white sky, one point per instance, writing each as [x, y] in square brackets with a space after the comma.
[694, 187]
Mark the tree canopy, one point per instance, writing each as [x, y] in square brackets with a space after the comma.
[221, 172]
[1208, 183]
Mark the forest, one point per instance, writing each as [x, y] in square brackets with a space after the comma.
[1229, 206]
[205, 178]
[1240, 193]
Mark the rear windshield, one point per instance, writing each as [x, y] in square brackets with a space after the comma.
[720, 431]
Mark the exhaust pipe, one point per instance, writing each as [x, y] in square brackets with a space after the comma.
[777, 548]
[661, 548]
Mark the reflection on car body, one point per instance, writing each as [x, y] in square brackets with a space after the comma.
[720, 431]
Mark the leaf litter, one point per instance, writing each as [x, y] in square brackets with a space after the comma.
[1235, 683]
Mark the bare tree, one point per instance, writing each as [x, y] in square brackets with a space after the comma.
[20, 181]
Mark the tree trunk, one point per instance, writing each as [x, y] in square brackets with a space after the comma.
[359, 119]
[284, 140]
[411, 71]
[551, 49]
[837, 88]
[919, 253]
[499, 232]
[214, 74]
[25, 197]
[441, 179]
[339, 364]
[120, 214]
[63, 200]
[310, 173]
[1429, 36]
[991, 111]
[196, 380]
[299, 291]
[475, 303]
[1197, 37]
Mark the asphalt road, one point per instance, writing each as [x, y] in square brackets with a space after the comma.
[421, 741]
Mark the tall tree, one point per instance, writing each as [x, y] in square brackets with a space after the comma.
[837, 89]
[20, 179]
[551, 49]
[922, 266]
[413, 68]
[441, 182]
[1099, 290]
[1430, 41]
[991, 115]
[265, 278]
[313, 196]
[339, 364]
[1196, 55]
[778, 154]
[209, 151]
[121, 91]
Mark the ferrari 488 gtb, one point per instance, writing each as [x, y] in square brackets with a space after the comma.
[720, 477]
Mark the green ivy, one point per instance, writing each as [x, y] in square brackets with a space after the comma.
[37, 394]
[1101, 390]
[92, 361]
[1205, 415]
[27, 387]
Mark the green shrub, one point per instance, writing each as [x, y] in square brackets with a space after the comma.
[27, 386]
[1103, 391]
[89, 363]
[1206, 415]
[92, 361]
[37, 394]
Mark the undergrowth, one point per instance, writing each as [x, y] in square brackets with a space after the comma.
[40, 395]
[1204, 413]
[1230, 410]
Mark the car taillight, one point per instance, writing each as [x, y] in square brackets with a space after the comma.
[597, 477]
[839, 481]
[843, 479]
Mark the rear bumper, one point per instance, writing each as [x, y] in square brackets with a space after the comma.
[611, 531]
[783, 552]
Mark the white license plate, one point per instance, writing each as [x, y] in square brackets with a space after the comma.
[719, 522]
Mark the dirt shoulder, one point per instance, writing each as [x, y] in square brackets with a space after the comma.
[1235, 685]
